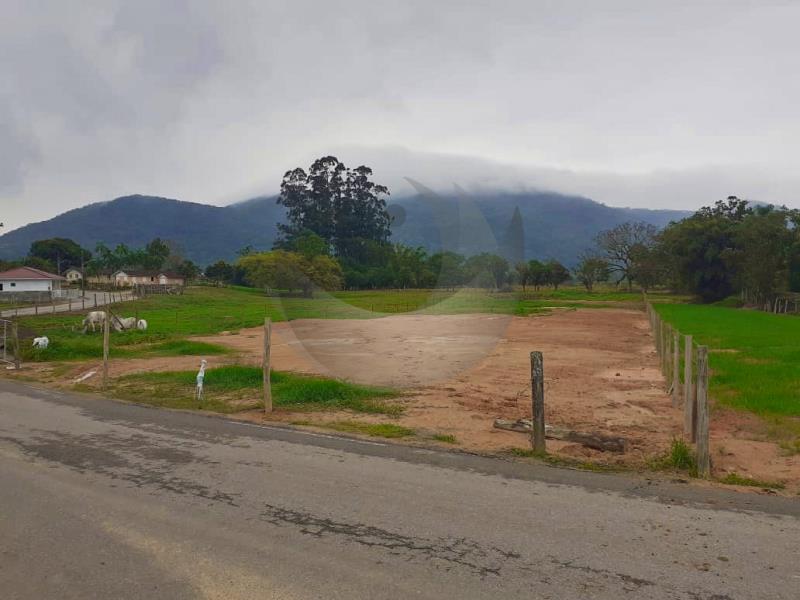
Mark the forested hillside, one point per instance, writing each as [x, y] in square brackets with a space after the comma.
[555, 226]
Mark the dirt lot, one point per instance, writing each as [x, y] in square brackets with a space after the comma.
[464, 371]
[461, 372]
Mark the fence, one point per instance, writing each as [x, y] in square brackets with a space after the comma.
[687, 386]
[9, 343]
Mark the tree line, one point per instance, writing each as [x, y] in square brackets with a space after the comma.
[57, 255]
[731, 248]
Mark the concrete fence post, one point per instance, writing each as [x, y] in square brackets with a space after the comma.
[537, 398]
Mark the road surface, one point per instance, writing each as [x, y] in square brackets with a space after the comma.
[100, 499]
[91, 300]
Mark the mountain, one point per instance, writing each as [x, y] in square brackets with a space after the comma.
[553, 225]
[204, 233]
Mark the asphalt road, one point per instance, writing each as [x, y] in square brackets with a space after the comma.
[90, 301]
[100, 499]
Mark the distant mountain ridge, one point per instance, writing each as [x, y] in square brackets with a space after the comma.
[555, 225]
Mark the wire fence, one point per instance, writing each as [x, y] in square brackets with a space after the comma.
[684, 365]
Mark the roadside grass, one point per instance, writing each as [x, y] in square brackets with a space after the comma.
[234, 388]
[736, 479]
[679, 458]
[754, 356]
[445, 438]
[383, 430]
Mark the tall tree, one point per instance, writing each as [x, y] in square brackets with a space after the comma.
[342, 206]
[62, 253]
[702, 249]
[291, 271]
[591, 270]
[523, 271]
[620, 244]
[487, 270]
[448, 269]
[538, 273]
[220, 271]
[556, 273]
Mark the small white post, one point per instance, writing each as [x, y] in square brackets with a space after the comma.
[200, 376]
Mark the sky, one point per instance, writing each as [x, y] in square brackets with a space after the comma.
[646, 104]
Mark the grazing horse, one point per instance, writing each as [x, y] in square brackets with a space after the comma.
[121, 324]
[141, 325]
[96, 317]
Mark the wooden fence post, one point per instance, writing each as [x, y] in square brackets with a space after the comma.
[106, 336]
[703, 454]
[676, 369]
[15, 337]
[537, 397]
[688, 389]
[265, 365]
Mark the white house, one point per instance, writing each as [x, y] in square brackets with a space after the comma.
[28, 279]
[128, 278]
[73, 275]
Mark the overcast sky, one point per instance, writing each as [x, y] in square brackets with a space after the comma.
[654, 104]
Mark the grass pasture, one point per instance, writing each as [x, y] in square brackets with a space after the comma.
[211, 310]
[754, 356]
[235, 388]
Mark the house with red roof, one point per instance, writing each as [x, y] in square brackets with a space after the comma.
[28, 279]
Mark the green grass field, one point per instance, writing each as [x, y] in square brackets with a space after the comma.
[210, 310]
[233, 388]
[754, 356]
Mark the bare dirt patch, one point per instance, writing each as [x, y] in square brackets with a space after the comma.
[405, 351]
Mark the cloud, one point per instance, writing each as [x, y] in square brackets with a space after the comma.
[630, 103]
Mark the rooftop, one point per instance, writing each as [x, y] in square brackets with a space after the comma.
[28, 273]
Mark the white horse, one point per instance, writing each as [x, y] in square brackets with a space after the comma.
[96, 317]
[141, 325]
[41, 342]
[121, 324]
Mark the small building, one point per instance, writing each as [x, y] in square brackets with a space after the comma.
[101, 279]
[130, 278]
[27, 279]
[73, 275]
